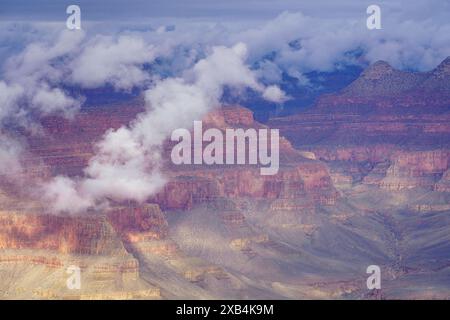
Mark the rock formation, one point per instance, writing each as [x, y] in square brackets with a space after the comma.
[364, 179]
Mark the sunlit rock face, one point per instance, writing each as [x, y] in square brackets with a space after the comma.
[38, 249]
[66, 235]
[135, 222]
[299, 176]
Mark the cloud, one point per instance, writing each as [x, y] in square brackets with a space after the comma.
[33, 77]
[274, 94]
[52, 101]
[36, 75]
[43, 60]
[128, 160]
[61, 192]
[115, 53]
[118, 62]
[9, 97]
[33, 87]
[125, 166]
[10, 153]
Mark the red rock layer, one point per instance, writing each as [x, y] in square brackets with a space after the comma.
[138, 222]
[66, 235]
[298, 177]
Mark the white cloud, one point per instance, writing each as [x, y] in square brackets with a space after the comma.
[54, 100]
[9, 96]
[34, 75]
[127, 162]
[61, 193]
[274, 94]
[105, 60]
[43, 60]
[10, 154]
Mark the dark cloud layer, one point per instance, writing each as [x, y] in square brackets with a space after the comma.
[120, 10]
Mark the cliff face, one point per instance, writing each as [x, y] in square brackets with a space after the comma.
[67, 145]
[204, 186]
[299, 176]
[82, 235]
[389, 127]
[415, 169]
[66, 235]
[138, 222]
[443, 185]
[42, 248]
[329, 129]
[380, 79]
[384, 89]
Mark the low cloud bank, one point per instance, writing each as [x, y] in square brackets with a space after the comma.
[183, 70]
[128, 160]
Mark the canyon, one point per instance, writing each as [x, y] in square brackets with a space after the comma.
[363, 179]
